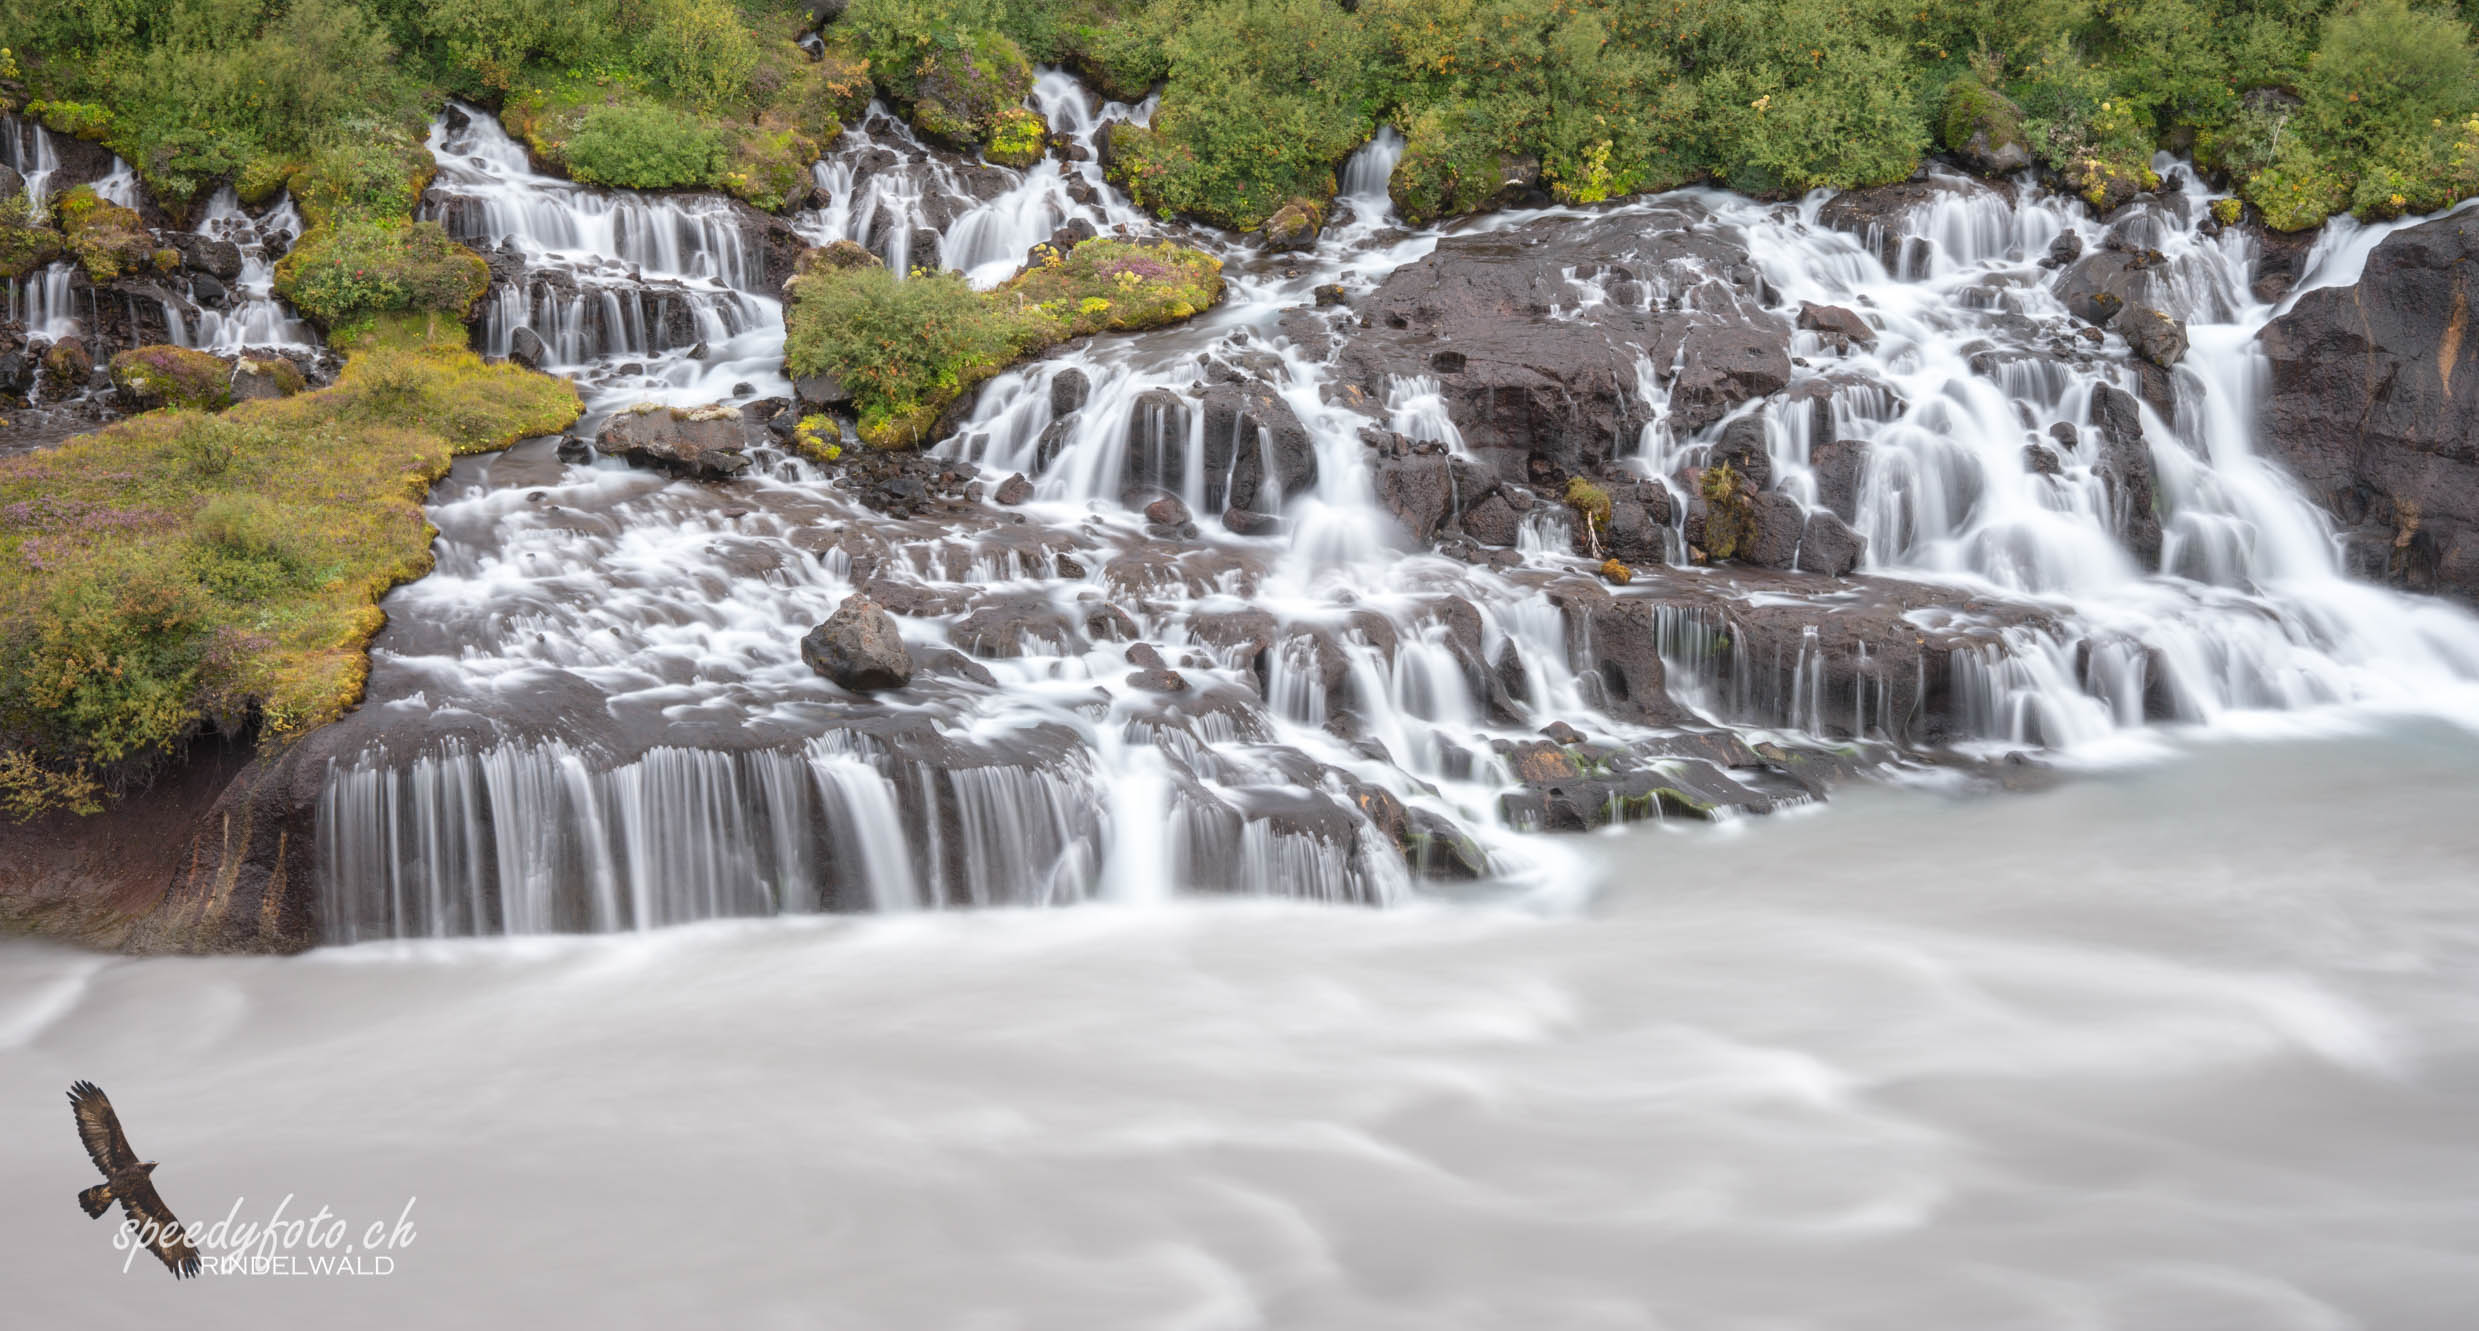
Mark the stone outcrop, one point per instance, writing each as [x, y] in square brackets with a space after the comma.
[2375, 406]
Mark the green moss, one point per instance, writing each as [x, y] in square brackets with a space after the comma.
[176, 377]
[25, 243]
[360, 266]
[1729, 511]
[1017, 137]
[177, 570]
[907, 349]
[1973, 108]
[1136, 286]
[1590, 502]
[107, 240]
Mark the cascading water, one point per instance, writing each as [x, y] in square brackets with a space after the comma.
[638, 297]
[594, 714]
[253, 319]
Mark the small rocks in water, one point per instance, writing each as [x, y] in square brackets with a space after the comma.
[2039, 461]
[1168, 512]
[1144, 657]
[734, 514]
[1158, 681]
[700, 352]
[858, 647]
[1330, 294]
[573, 449]
[1247, 523]
[1615, 572]
[1105, 622]
[206, 289]
[2155, 336]
[744, 389]
[2065, 434]
[1014, 490]
[1563, 733]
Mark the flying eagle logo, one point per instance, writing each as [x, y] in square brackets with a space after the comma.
[126, 1180]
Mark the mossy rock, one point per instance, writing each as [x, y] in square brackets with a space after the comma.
[25, 247]
[358, 266]
[2107, 184]
[1294, 226]
[846, 317]
[1018, 137]
[1984, 128]
[167, 376]
[108, 240]
[958, 94]
[1729, 511]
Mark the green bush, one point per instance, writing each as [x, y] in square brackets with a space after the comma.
[359, 266]
[904, 347]
[639, 145]
[176, 569]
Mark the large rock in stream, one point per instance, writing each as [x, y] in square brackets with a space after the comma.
[2375, 406]
[1535, 336]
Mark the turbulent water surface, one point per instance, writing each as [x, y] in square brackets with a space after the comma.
[2193, 1045]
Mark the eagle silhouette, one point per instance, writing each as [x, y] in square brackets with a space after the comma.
[125, 1181]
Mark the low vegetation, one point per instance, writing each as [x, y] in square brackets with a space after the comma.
[906, 348]
[182, 570]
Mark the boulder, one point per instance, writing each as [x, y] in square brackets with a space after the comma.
[1293, 226]
[1727, 364]
[2103, 282]
[859, 647]
[2155, 336]
[705, 443]
[164, 376]
[526, 348]
[254, 379]
[1835, 321]
[1013, 491]
[220, 259]
[1839, 464]
[1068, 390]
[1742, 445]
[2375, 406]
[2125, 465]
[1983, 128]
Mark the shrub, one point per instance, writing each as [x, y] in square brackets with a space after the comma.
[143, 596]
[360, 266]
[904, 347]
[107, 240]
[640, 145]
[25, 243]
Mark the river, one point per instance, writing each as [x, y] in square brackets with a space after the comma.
[2188, 1043]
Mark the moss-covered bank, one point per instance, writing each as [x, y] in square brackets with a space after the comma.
[906, 349]
[182, 570]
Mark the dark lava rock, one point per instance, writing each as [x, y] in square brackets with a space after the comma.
[1167, 511]
[1742, 446]
[2125, 464]
[1839, 465]
[1014, 490]
[2375, 406]
[525, 347]
[1158, 681]
[2067, 248]
[1254, 445]
[2100, 284]
[708, 443]
[858, 647]
[2155, 336]
[1245, 522]
[1528, 383]
[1068, 390]
[1836, 321]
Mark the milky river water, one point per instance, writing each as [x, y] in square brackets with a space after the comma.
[2188, 1045]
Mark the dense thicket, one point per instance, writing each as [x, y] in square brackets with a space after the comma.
[2309, 107]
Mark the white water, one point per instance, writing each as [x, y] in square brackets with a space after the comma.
[2192, 1047]
[254, 317]
[607, 724]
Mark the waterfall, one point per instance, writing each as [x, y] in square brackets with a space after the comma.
[593, 715]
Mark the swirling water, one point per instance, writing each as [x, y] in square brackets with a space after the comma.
[2192, 1044]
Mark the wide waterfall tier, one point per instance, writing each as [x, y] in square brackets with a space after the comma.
[1307, 597]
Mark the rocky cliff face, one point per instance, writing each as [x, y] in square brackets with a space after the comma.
[2375, 406]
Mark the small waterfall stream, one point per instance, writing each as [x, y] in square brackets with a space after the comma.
[594, 714]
